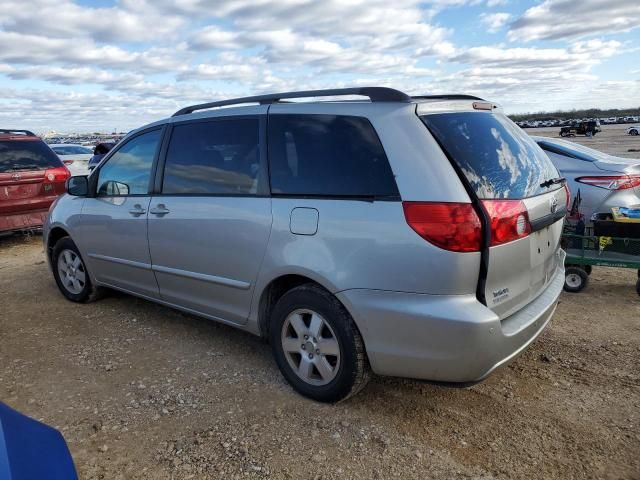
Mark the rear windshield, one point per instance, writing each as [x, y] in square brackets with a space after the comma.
[19, 155]
[498, 159]
[574, 150]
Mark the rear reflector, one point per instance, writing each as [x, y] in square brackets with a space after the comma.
[452, 226]
[613, 182]
[59, 174]
[509, 220]
[567, 190]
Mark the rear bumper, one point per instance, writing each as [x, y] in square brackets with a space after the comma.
[23, 221]
[445, 338]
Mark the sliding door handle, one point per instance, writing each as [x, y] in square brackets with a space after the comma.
[159, 210]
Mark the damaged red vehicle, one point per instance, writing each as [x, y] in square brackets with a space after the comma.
[31, 178]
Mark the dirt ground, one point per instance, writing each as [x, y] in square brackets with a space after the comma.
[143, 391]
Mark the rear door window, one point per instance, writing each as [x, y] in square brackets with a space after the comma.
[17, 155]
[328, 155]
[217, 157]
[498, 159]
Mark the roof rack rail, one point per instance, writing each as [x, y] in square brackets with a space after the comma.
[11, 131]
[375, 94]
[447, 97]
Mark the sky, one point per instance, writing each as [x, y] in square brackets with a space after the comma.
[100, 65]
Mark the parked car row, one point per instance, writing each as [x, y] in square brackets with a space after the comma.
[555, 122]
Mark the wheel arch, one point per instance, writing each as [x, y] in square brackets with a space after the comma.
[54, 235]
[277, 287]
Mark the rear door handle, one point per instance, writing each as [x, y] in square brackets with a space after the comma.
[159, 210]
[137, 210]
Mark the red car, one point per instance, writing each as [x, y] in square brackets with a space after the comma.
[31, 178]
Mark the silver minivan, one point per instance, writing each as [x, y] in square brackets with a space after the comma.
[406, 236]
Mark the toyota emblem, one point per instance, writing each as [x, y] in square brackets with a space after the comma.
[16, 176]
[553, 204]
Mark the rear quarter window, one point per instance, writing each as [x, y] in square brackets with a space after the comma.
[328, 155]
[497, 158]
[16, 155]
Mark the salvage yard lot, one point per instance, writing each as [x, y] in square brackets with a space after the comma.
[143, 391]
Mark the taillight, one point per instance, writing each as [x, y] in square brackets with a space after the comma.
[452, 226]
[509, 220]
[59, 174]
[612, 182]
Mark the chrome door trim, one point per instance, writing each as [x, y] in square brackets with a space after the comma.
[228, 282]
[122, 261]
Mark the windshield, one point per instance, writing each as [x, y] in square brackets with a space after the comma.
[26, 155]
[498, 159]
[571, 149]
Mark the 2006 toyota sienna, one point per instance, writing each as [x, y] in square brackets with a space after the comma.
[408, 236]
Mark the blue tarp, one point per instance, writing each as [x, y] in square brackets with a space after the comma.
[32, 450]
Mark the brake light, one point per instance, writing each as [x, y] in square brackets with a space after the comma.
[567, 190]
[509, 220]
[612, 182]
[452, 226]
[59, 174]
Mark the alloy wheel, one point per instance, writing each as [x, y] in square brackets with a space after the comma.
[71, 271]
[310, 347]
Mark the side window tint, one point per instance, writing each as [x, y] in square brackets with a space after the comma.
[328, 155]
[215, 157]
[127, 171]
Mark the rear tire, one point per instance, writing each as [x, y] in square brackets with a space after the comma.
[317, 345]
[71, 274]
[575, 279]
[633, 132]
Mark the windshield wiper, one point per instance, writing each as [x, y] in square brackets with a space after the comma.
[553, 181]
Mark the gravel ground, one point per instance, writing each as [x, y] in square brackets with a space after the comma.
[142, 391]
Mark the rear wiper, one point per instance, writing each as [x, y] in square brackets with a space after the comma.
[553, 181]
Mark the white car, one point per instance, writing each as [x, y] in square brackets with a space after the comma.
[75, 157]
[633, 130]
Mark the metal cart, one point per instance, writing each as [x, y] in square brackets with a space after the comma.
[584, 251]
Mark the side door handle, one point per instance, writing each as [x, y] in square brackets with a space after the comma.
[137, 210]
[159, 210]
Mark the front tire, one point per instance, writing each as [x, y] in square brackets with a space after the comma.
[71, 274]
[633, 132]
[317, 345]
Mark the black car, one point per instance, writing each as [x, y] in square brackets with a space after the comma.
[588, 128]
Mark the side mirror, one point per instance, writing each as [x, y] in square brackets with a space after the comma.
[78, 186]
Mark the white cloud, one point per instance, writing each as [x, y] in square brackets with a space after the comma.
[158, 55]
[131, 21]
[495, 21]
[566, 19]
